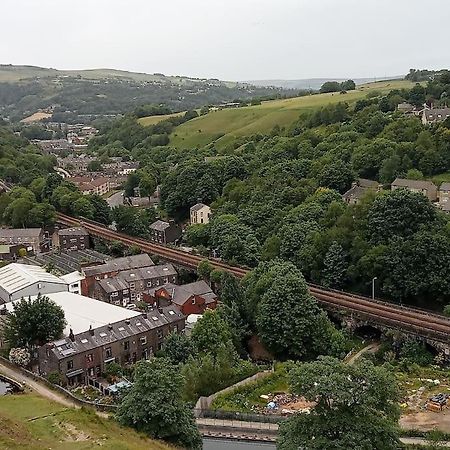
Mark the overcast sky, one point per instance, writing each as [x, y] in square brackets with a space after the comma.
[229, 39]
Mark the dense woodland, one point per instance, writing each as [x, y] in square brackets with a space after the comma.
[279, 195]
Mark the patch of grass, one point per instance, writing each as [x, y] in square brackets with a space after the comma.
[53, 426]
[222, 127]
[245, 398]
[153, 120]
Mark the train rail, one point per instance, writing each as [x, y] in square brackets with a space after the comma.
[419, 322]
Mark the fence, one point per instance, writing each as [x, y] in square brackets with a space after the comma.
[60, 389]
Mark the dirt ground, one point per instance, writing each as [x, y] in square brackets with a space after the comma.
[427, 421]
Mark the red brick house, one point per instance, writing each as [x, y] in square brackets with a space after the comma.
[192, 298]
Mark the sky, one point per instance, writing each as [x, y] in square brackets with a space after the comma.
[229, 39]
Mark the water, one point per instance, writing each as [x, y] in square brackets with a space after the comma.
[222, 444]
[6, 388]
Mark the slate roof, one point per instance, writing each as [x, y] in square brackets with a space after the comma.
[414, 184]
[445, 187]
[107, 334]
[436, 114]
[159, 225]
[179, 294]
[119, 264]
[198, 207]
[16, 235]
[77, 231]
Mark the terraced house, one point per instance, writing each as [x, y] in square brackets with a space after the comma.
[83, 356]
[130, 285]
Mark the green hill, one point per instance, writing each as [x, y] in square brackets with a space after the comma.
[83, 95]
[223, 126]
[31, 422]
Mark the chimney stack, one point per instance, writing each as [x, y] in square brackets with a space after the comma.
[71, 335]
[91, 331]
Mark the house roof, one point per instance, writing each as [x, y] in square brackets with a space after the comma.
[180, 294]
[436, 114]
[15, 277]
[414, 184]
[77, 231]
[354, 192]
[119, 264]
[113, 284]
[365, 183]
[159, 225]
[145, 273]
[22, 233]
[198, 207]
[445, 187]
[114, 331]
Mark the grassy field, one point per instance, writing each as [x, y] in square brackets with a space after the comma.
[223, 126]
[30, 422]
[153, 120]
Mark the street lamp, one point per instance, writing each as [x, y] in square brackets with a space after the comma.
[373, 287]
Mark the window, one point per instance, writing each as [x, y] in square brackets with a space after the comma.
[126, 345]
[132, 285]
[114, 294]
[39, 285]
[143, 340]
[70, 365]
[91, 372]
[125, 291]
[108, 352]
[159, 333]
[90, 357]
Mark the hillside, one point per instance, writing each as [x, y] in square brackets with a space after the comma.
[31, 422]
[223, 126]
[86, 94]
[313, 83]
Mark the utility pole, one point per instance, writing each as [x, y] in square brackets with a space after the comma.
[373, 287]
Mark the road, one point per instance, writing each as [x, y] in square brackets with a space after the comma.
[115, 199]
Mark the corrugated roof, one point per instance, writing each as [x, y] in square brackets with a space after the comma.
[14, 277]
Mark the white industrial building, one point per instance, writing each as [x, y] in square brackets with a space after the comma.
[21, 280]
[83, 313]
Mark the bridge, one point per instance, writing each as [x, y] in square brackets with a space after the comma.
[354, 310]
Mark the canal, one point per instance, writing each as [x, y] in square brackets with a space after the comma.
[223, 444]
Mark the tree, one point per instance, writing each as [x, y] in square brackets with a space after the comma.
[153, 405]
[348, 85]
[84, 208]
[204, 269]
[34, 322]
[337, 176]
[94, 166]
[289, 320]
[335, 267]
[210, 333]
[398, 213]
[355, 407]
[102, 209]
[330, 86]
[177, 347]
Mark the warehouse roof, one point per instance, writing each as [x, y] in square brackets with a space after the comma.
[14, 277]
[84, 312]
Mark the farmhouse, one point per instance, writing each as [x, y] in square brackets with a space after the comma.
[359, 189]
[434, 115]
[426, 188]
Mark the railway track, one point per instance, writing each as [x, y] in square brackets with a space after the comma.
[422, 323]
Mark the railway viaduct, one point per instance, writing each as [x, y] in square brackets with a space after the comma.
[352, 310]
